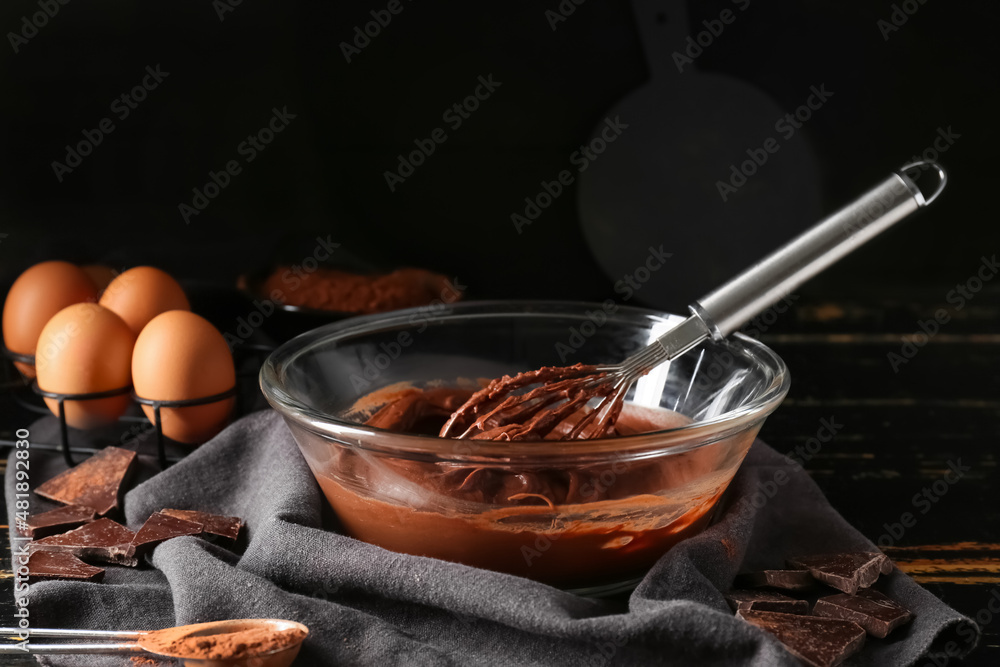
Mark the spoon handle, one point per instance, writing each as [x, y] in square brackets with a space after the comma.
[751, 292]
[70, 633]
[47, 649]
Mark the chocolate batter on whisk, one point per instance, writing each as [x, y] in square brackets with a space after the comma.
[560, 408]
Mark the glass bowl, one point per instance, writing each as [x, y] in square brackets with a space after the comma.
[585, 515]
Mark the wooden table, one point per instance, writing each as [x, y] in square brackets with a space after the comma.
[901, 432]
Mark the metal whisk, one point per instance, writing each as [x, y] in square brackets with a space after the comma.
[582, 402]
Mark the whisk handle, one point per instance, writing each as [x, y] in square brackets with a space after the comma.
[735, 303]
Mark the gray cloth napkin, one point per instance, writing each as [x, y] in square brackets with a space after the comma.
[368, 606]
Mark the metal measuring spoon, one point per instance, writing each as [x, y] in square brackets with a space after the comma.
[153, 642]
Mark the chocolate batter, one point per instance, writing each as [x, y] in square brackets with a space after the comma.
[556, 409]
[572, 523]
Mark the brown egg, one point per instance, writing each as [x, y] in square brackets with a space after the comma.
[100, 275]
[181, 356]
[140, 294]
[86, 348]
[37, 295]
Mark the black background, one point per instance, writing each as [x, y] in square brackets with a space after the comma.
[324, 174]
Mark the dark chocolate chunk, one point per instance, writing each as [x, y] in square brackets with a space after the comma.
[816, 641]
[765, 601]
[58, 520]
[215, 524]
[56, 565]
[845, 572]
[103, 540]
[788, 580]
[876, 613]
[160, 527]
[94, 483]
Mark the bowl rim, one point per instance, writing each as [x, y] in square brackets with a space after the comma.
[677, 440]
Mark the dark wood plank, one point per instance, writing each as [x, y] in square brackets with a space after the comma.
[899, 432]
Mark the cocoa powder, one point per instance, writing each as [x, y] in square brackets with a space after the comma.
[146, 661]
[331, 289]
[239, 644]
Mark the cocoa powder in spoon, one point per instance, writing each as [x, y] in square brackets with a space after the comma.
[240, 644]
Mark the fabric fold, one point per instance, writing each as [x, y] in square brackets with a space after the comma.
[368, 606]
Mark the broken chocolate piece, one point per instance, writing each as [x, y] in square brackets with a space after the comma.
[876, 613]
[845, 572]
[816, 641]
[788, 580]
[58, 520]
[765, 601]
[103, 540]
[94, 483]
[215, 524]
[55, 565]
[160, 527]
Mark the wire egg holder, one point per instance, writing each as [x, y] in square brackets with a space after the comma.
[157, 405]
